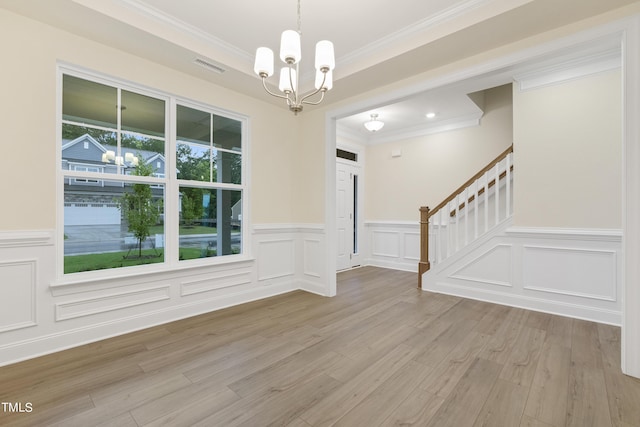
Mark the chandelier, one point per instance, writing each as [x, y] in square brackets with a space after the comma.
[290, 54]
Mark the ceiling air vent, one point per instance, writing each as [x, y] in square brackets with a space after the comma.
[209, 66]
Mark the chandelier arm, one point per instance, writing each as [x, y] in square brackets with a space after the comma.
[314, 102]
[264, 84]
[321, 88]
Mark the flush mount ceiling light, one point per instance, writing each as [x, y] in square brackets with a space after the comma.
[290, 53]
[374, 124]
[430, 115]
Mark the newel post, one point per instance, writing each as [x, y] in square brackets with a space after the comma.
[423, 265]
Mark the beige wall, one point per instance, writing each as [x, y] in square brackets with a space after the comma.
[568, 151]
[433, 166]
[28, 73]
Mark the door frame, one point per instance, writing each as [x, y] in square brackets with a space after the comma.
[358, 165]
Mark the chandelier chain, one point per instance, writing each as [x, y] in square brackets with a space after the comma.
[299, 19]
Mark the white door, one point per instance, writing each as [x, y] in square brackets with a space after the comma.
[347, 215]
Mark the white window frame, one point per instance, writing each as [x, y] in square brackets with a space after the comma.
[169, 181]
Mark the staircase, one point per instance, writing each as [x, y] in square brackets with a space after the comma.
[477, 209]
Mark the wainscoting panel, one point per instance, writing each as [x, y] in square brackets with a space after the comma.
[276, 258]
[575, 273]
[207, 283]
[17, 295]
[312, 254]
[571, 271]
[385, 243]
[113, 302]
[492, 267]
[392, 245]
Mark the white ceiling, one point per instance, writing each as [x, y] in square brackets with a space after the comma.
[377, 42]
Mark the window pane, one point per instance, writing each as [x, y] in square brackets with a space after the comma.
[146, 150]
[116, 225]
[83, 146]
[89, 102]
[227, 133]
[142, 114]
[228, 167]
[210, 222]
[193, 162]
[193, 125]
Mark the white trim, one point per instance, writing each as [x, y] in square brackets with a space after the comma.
[65, 310]
[11, 239]
[630, 336]
[604, 235]
[426, 129]
[434, 20]
[544, 305]
[33, 321]
[570, 70]
[288, 228]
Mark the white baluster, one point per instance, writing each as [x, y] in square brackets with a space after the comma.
[439, 244]
[466, 216]
[486, 202]
[457, 210]
[475, 209]
[449, 231]
[508, 186]
[496, 188]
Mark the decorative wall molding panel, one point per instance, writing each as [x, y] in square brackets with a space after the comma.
[575, 273]
[17, 295]
[392, 245]
[69, 313]
[211, 282]
[112, 302]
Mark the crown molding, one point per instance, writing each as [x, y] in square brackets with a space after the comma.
[121, 10]
[446, 15]
[570, 70]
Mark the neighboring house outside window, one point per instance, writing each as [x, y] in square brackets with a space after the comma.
[115, 177]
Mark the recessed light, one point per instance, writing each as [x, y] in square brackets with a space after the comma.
[430, 115]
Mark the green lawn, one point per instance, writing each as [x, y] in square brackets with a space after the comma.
[90, 262]
[184, 230]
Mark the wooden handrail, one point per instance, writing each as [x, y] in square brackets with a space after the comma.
[470, 181]
[426, 213]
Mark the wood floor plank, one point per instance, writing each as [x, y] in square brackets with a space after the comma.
[521, 365]
[502, 342]
[444, 377]
[380, 404]
[587, 402]
[171, 405]
[464, 403]
[548, 395]
[532, 422]
[189, 412]
[415, 410]
[504, 406]
[623, 391]
[337, 404]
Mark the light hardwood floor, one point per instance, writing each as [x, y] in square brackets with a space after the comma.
[381, 353]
